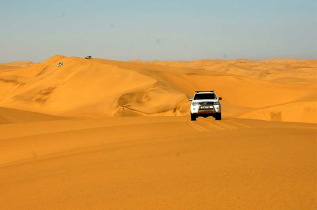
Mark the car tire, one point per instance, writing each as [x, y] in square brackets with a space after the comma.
[218, 116]
[193, 117]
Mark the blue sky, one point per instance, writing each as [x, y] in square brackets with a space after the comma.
[158, 30]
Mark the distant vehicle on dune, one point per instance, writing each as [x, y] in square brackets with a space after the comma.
[88, 57]
[59, 64]
[205, 103]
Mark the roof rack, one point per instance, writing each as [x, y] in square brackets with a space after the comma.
[197, 91]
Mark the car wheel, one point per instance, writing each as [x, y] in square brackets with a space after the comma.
[193, 117]
[218, 116]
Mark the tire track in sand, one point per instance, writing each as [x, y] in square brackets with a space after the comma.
[207, 124]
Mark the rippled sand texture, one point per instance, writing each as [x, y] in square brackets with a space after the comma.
[102, 134]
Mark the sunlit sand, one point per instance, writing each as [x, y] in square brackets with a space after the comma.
[103, 134]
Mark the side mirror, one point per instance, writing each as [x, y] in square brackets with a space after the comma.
[190, 99]
[220, 98]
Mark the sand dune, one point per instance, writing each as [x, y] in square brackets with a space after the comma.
[103, 134]
[9, 116]
[99, 87]
[14, 65]
[292, 112]
[157, 163]
[18, 64]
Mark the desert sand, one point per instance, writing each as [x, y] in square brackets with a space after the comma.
[104, 134]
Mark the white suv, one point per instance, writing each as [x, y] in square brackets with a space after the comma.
[205, 103]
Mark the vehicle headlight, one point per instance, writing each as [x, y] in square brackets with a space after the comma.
[195, 103]
[217, 103]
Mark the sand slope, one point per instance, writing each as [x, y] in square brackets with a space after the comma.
[157, 163]
[99, 87]
[9, 116]
[14, 65]
[65, 145]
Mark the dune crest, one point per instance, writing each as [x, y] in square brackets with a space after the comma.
[99, 87]
[81, 152]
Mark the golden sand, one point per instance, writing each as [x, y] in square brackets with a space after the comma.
[103, 134]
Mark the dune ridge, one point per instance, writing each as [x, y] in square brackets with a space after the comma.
[104, 134]
[100, 87]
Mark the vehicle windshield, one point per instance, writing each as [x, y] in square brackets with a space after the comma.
[202, 96]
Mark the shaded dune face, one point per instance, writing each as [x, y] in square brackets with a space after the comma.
[274, 90]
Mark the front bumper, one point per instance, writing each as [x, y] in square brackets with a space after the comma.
[205, 110]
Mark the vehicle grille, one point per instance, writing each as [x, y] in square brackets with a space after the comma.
[206, 103]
